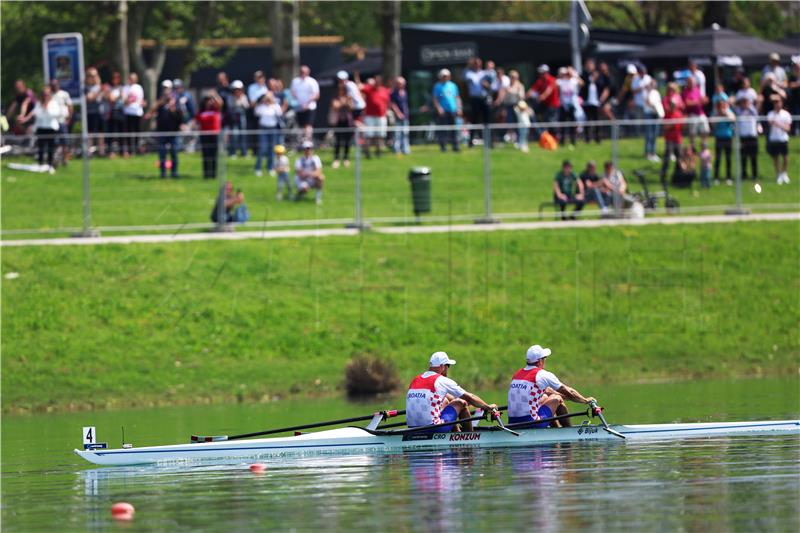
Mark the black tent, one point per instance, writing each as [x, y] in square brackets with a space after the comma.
[717, 43]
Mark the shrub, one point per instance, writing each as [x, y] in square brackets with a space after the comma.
[368, 375]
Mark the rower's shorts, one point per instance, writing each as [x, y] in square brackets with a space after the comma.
[544, 412]
[448, 414]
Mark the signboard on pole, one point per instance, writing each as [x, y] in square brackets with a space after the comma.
[63, 61]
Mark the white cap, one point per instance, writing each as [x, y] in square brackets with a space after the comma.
[631, 68]
[535, 353]
[440, 358]
[342, 75]
[307, 144]
[774, 57]
[543, 68]
[562, 71]
[166, 84]
[444, 72]
[237, 84]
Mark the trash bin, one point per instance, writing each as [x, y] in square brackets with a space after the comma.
[420, 178]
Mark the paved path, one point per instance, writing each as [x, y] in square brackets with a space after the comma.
[342, 232]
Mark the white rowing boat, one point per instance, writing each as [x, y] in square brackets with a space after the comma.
[363, 440]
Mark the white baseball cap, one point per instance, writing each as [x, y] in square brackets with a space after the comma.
[444, 72]
[237, 84]
[342, 75]
[166, 84]
[307, 144]
[631, 69]
[535, 353]
[440, 358]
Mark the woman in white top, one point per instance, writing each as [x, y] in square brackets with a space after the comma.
[133, 97]
[268, 113]
[46, 114]
[509, 97]
[654, 112]
[568, 86]
[780, 123]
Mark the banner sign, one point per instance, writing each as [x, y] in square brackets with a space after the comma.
[63, 61]
[447, 54]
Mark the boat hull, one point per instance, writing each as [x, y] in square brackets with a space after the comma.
[357, 440]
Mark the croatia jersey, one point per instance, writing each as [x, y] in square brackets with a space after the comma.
[527, 391]
[426, 396]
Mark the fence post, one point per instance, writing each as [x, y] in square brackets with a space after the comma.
[222, 223]
[615, 159]
[358, 216]
[737, 152]
[487, 178]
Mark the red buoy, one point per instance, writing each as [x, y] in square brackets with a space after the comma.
[258, 468]
[122, 511]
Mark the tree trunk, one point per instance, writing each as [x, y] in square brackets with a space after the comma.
[203, 15]
[123, 59]
[149, 74]
[285, 40]
[392, 47]
[716, 12]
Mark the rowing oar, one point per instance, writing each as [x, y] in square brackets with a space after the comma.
[597, 411]
[386, 414]
[431, 426]
[399, 424]
[499, 419]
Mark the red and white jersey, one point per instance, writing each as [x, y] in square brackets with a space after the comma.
[426, 396]
[527, 390]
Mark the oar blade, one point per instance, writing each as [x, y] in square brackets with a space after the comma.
[209, 438]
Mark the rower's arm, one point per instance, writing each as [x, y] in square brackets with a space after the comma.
[475, 400]
[572, 395]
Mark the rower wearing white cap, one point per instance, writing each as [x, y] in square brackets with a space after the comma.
[433, 398]
[536, 394]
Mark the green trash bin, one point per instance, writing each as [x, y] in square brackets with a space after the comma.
[420, 178]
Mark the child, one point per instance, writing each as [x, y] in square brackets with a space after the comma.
[524, 119]
[705, 166]
[282, 168]
[780, 123]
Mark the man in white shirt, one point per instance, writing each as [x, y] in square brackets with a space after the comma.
[780, 123]
[433, 398]
[774, 67]
[305, 91]
[699, 77]
[64, 101]
[536, 394]
[133, 96]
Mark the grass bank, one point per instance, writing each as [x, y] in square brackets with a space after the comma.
[128, 192]
[114, 325]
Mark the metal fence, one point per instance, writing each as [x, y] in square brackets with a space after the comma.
[480, 173]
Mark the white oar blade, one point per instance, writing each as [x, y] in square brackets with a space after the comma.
[209, 438]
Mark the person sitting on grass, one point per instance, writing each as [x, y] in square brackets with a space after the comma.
[230, 204]
[308, 173]
[567, 189]
[282, 168]
[686, 168]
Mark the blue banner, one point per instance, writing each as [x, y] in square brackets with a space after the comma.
[63, 55]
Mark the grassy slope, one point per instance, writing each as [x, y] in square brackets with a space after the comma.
[128, 192]
[120, 325]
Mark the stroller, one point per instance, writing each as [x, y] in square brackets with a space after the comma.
[651, 200]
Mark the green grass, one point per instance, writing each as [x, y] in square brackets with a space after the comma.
[114, 325]
[129, 192]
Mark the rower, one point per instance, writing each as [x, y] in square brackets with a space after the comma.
[536, 393]
[433, 398]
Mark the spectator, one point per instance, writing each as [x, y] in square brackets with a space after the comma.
[45, 113]
[226, 93]
[308, 173]
[399, 103]
[255, 91]
[545, 91]
[353, 92]
[282, 169]
[116, 121]
[719, 95]
[238, 106]
[699, 80]
[705, 166]
[613, 187]
[594, 89]
[770, 87]
[524, 115]
[230, 203]
[567, 189]
[640, 84]
[133, 96]
[723, 135]
[63, 99]
[500, 84]
[168, 123]
[780, 123]
[747, 123]
[608, 97]
[209, 119]
[377, 98]
[268, 113]
[793, 93]
[747, 92]
[673, 135]
[697, 120]
[305, 92]
[591, 186]
[509, 98]
[23, 103]
[774, 67]
[653, 112]
[96, 109]
[626, 103]
[686, 168]
[568, 86]
[447, 103]
[282, 98]
[479, 91]
[341, 118]
[737, 83]
[186, 107]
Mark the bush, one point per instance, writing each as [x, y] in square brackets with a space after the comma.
[368, 375]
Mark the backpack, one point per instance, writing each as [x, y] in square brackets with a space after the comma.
[547, 141]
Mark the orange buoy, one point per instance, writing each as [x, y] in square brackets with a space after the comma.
[258, 468]
[122, 511]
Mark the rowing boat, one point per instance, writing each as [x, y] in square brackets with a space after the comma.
[350, 440]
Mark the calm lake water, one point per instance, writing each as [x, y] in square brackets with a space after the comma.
[716, 484]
